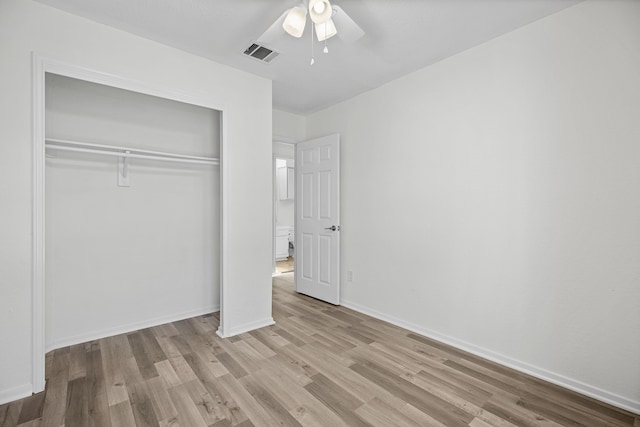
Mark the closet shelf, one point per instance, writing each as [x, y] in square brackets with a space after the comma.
[134, 153]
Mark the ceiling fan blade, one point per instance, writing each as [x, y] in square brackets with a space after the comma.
[348, 30]
[275, 31]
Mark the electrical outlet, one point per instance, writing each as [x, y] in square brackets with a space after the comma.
[349, 276]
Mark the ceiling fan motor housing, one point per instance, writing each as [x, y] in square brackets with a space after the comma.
[320, 11]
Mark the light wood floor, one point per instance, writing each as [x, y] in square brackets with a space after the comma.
[319, 365]
[285, 266]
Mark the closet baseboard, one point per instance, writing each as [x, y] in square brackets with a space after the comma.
[130, 327]
[15, 393]
[231, 332]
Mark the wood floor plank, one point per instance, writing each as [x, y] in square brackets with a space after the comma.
[477, 422]
[121, 415]
[141, 406]
[247, 361]
[210, 411]
[54, 407]
[164, 331]
[559, 413]
[168, 347]
[182, 369]
[315, 414]
[168, 374]
[185, 327]
[414, 395]
[350, 333]
[269, 338]
[394, 364]
[31, 408]
[205, 353]
[252, 354]
[10, 414]
[269, 402]
[232, 365]
[259, 347]
[160, 400]
[346, 378]
[342, 316]
[334, 397]
[467, 392]
[291, 338]
[379, 413]
[290, 394]
[145, 363]
[98, 401]
[153, 349]
[77, 412]
[113, 353]
[484, 377]
[188, 413]
[225, 405]
[77, 362]
[255, 412]
[506, 407]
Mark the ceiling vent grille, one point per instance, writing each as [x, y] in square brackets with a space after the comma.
[260, 53]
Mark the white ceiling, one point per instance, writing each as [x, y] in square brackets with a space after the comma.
[401, 36]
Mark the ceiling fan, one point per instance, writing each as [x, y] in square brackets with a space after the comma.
[327, 20]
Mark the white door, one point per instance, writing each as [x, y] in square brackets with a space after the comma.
[317, 228]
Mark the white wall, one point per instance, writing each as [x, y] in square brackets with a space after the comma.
[288, 127]
[26, 26]
[491, 200]
[284, 150]
[157, 241]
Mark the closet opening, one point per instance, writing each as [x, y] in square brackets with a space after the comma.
[127, 212]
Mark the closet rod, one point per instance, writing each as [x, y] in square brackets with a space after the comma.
[111, 150]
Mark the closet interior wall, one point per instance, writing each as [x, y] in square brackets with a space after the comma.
[122, 258]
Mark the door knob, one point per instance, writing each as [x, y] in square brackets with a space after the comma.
[333, 228]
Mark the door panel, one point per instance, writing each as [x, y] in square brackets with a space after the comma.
[318, 218]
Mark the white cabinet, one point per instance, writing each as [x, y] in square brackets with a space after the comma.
[286, 182]
[283, 234]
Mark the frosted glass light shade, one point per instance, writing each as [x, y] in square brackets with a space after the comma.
[326, 30]
[320, 11]
[295, 21]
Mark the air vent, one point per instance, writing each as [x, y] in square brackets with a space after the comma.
[260, 53]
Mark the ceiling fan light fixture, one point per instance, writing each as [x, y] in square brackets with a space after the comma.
[326, 30]
[320, 11]
[295, 21]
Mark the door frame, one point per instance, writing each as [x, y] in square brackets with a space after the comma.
[40, 66]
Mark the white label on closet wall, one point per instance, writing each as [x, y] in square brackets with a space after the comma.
[123, 172]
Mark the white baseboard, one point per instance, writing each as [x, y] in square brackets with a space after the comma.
[541, 373]
[15, 393]
[241, 329]
[129, 327]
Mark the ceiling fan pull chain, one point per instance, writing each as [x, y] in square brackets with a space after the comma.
[313, 61]
[326, 49]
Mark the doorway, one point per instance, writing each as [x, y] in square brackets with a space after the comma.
[284, 208]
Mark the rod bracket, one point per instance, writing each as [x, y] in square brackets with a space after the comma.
[123, 170]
